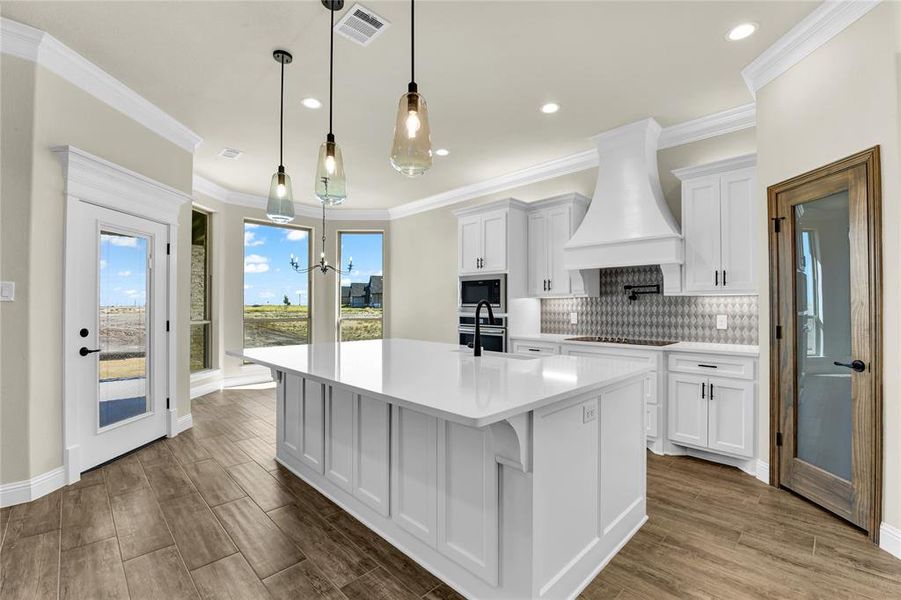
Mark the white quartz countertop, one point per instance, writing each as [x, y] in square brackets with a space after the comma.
[707, 348]
[446, 380]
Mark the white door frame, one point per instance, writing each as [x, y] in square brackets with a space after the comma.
[91, 179]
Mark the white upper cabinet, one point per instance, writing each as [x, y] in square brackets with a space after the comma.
[470, 243]
[551, 223]
[494, 241]
[718, 226]
[483, 239]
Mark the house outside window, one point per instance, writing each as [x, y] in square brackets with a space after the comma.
[361, 297]
[201, 323]
[277, 307]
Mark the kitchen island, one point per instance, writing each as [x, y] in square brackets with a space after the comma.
[506, 476]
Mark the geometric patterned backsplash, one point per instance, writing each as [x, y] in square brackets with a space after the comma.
[651, 316]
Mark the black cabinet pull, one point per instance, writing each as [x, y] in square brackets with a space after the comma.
[716, 278]
[534, 350]
[708, 366]
[549, 286]
[84, 351]
[711, 391]
[724, 277]
[703, 389]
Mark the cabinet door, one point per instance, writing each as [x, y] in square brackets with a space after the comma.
[538, 254]
[339, 437]
[371, 463]
[469, 239]
[559, 229]
[731, 416]
[701, 231]
[414, 485]
[738, 216]
[494, 241]
[687, 410]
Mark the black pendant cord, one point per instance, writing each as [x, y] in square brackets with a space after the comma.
[412, 42]
[281, 118]
[331, 70]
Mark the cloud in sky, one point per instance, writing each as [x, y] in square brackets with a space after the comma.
[266, 294]
[250, 239]
[103, 264]
[120, 240]
[294, 235]
[124, 273]
[254, 263]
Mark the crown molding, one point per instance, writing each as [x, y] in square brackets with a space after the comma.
[824, 23]
[204, 186]
[744, 161]
[99, 181]
[721, 123]
[26, 42]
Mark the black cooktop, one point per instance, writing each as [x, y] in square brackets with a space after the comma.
[619, 340]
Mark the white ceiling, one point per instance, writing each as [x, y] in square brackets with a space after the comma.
[484, 68]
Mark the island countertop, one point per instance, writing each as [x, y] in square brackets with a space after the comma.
[446, 380]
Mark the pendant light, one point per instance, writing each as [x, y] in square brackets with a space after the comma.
[331, 184]
[411, 152]
[280, 208]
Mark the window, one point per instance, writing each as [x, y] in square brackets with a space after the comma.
[276, 297]
[810, 277]
[200, 291]
[361, 300]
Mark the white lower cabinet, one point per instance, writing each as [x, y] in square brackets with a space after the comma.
[711, 413]
[372, 453]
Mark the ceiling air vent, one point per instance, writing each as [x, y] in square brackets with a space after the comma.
[361, 25]
[232, 153]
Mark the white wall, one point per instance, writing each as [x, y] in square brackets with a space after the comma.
[839, 100]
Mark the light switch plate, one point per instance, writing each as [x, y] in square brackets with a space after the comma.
[573, 318]
[589, 412]
[721, 322]
[7, 291]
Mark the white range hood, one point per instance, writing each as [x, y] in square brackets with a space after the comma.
[628, 222]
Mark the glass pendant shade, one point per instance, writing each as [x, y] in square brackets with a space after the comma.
[411, 153]
[280, 208]
[331, 184]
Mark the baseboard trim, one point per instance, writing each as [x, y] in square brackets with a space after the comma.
[250, 379]
[27, 490]
[206, 388]
[890, 539]
[763, 471]
[183, 424]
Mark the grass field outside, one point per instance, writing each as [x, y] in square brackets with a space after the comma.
[278, 325]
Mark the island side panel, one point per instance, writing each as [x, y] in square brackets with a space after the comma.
[589, 484]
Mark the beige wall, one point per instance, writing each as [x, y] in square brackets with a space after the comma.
[841, 99]
[228, 270]
[33, 225]
[423, 249]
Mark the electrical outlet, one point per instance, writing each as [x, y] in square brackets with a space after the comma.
[721, 322]
[7, 291]
[573, 318]
[589, 412]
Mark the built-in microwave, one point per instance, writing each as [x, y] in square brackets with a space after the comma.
[475, 288]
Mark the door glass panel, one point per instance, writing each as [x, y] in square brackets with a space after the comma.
[823, 305]
[123, 332]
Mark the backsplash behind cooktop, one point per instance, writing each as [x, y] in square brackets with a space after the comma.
[658, 317]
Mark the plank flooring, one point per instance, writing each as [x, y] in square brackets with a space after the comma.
[210, 514]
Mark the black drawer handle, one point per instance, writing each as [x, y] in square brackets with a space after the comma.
[534, 349]
[708, 366]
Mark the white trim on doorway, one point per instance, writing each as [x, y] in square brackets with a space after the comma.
[890, 539]
[93, 180]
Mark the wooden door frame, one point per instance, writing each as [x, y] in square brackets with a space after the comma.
[871, 159]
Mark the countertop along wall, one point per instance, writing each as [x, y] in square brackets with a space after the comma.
[839, 100]
[33, 221]
[423, 250]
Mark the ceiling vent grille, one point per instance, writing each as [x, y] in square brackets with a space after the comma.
[232, 153]
[361, 25]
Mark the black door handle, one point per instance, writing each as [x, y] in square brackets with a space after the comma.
[84, 351]
[703, 386]
[856, 365]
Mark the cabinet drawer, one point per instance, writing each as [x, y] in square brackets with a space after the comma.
[535, 348]
[612, 353]
[713, 365]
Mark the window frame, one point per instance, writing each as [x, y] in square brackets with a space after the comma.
[288, 226]
[339, 234]
[207, 322]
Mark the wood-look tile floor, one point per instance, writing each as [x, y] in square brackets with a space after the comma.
[209, 514]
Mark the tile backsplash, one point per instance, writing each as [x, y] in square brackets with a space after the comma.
[676, 318]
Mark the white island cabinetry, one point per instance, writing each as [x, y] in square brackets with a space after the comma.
[507, 477]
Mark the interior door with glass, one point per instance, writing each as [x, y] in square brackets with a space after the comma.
[826, 358]
[119, 358]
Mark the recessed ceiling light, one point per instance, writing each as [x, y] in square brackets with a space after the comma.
[442, 151]
[232, 153]
[740, 32]
[311, 103]
[550, 108]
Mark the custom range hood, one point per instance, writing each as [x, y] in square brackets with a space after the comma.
[628, 222]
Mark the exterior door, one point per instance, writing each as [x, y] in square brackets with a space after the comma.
[701, 229]
[494, 241]
[119, 358]
[687, 410]
[826, 305]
